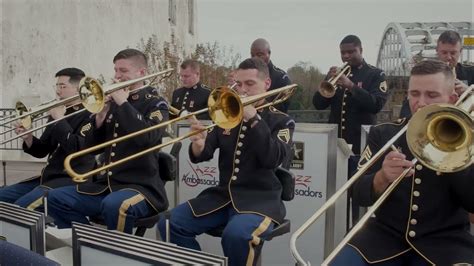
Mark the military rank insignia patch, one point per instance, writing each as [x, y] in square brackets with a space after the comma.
[156, 114]
[85, 128]
[383, 86]
[284, 135]
[226, 132]
[364, 157]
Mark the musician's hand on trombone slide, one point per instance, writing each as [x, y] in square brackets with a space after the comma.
[28, 138]
[120, 96]
[198, 140]
[459, 87]
[57, 112]
[393, 165]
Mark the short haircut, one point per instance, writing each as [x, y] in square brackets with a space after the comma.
[351, 39]
[432, 66]
[261, 43]
[134, 54]
[191, 63]
[74, 74]
[255, 63]
[449, 36]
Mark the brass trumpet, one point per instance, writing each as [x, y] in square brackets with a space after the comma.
[226, 111]
[439, 136]
[328, 87]
[91, 95]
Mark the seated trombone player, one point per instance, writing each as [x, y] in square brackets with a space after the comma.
[57, 141]
[425, 220]
[247, 202]
[134, 189]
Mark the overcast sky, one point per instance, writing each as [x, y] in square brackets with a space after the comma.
[305, 30]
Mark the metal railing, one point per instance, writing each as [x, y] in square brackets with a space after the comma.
[17, 143]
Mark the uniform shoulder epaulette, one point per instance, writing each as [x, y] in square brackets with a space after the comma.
[374, 67]
[277, 69]
[468, 64]
[204, 86]
[398, 122]
[274, 110]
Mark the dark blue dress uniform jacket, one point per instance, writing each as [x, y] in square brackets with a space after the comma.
[279, 79]
[247, 161]
[192, 99]
[143, 109]
[352, 108]
[58, 141]
[426, 212]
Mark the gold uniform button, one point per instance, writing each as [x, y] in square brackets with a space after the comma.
[413, 221]
[343, 128]
[115, 135]
[416, 193]
[234, 178]
[343, 103]
[109, 173]
[241, 136]
[343, 120]
[236, 170]
[237, 161]
[343, 111]
[114, 144]
[244, 128]
[112, 154]
[414, 207]
[412, 233]
[419, 167]
[116, 124]
[417, 181]
[240, 144]
[237, 152]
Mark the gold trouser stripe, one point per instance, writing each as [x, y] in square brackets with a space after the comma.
[35, 204]
[123, 210]
[256, 239]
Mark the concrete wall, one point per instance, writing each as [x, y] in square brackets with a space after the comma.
[39, 37]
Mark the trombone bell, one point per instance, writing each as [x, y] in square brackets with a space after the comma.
[225, 107]
[440, 136]
[27, 120]
[91, 94]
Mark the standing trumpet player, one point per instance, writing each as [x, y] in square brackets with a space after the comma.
[357, 100]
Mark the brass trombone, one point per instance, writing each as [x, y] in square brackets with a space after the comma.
[226, 111]
[91, 95]
[439, 136]
[328, 88]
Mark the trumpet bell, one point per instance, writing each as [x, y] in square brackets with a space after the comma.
[225, 107]
[327, 89]
[440, 136]
[91, 94]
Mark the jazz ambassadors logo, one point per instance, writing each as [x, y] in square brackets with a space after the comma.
[204, 175]
[302, 182]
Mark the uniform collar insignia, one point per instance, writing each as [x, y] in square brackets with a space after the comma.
[226, 132]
